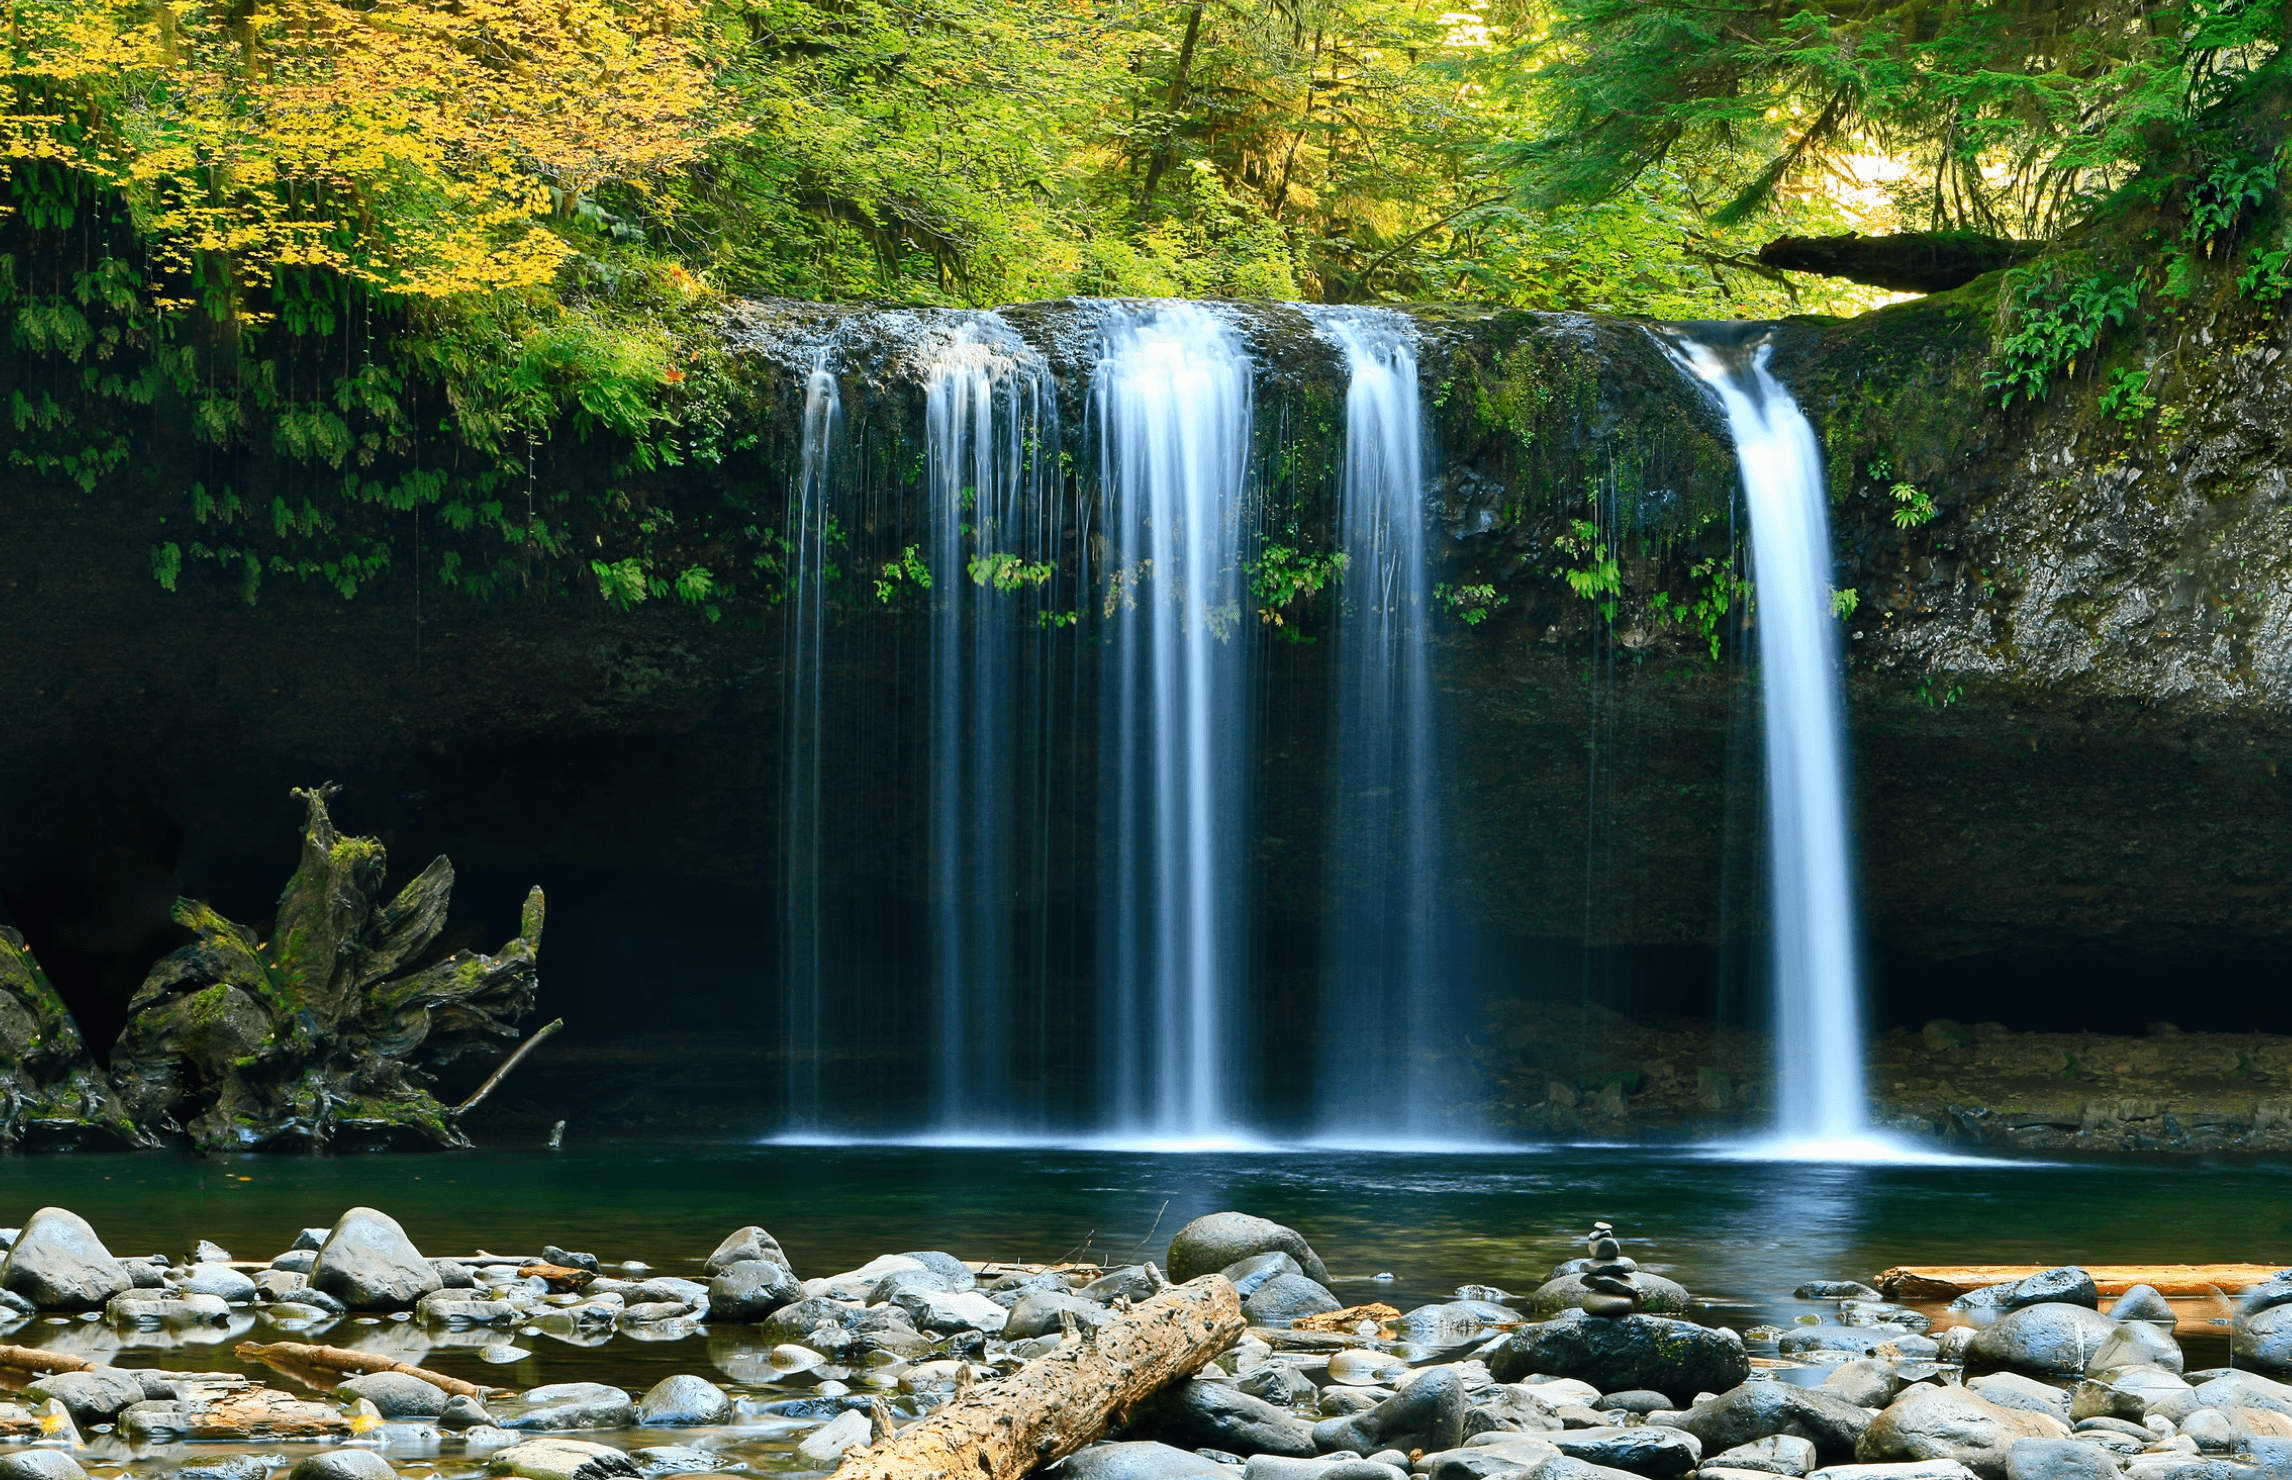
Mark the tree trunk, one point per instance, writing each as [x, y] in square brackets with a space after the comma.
[1055, 1404]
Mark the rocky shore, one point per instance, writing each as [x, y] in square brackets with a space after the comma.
[1605, 1372]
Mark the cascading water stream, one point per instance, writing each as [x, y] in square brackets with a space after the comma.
[1386, 1008]
[801, 924]
[1172, 393]
[988, 409]
[1821, 1101]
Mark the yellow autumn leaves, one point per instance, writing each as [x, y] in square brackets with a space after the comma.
[417, 145]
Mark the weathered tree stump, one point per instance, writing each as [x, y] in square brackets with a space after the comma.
[1057, 1403]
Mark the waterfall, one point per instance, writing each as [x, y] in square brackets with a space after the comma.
[1819, 1044]
[800, 923]
[1387, 1013]
[1172, 395]
[988, 413]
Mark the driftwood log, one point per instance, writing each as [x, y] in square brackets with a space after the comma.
[34, 1359]
[1948, 1282]
[1909, 262]
[1057, 1403]
[336, 1359]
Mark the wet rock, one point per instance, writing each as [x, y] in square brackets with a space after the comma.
[2137, 1344]
[2012, 1390]
[1510, 1408]
[751, 1289]
[1008, 1291]
[570, 1259]
[1135, 1460]
[2142, 1303]
[58, 1263]
[2265, 1340]
[1777, 1454]
[1515, 1459]
[451, 1308]
[463, 1412]
[947, 1265]
[747, 1243]
[857, 1284]
[1286, 1298]
[1675, 1358]
[1276, 1467]
[42, 1464]
[454, 1275]
[1038, 1315]
[1451, 1321]
[942, 1312]
[1755, 1410]
[2051, 1338]
[917, 1278]
[1246, 1275]
[1428, 1414]
[1830, 1337]
[682, 1400]
[823, 1446]
[2059, 1459]
[2066, 1285]
[1657, 1294]
[152, 1311]
[343, 1464]
[91, 1397]
[1924, 1469]
[1867, 1383]
[397, 1394]
[558, 1459]
[1212, 1242]
[1835, 1290]
[296, 1261]
[675, 1459]
[1659, 1453]
[1130, 1282]
[575, 1405]
[1209, 1415]
[1932, 1422]
[368, 1263]
[2273, 1291]
[219, 1280]
[1278, 1383]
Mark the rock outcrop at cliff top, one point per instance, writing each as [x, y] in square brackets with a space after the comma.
[314, 1037]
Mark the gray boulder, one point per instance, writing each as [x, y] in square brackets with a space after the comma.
[2137, 1344]
[1286, 1298]
[1676, 1358]
[2265, 1340]
[2273, 1291]
[1210, 1243]
[2066, 1285]
[58, 1263]
[944, 1313]
[1136, 1460]
[1131, 1281]
[1209, 1415]
[1750, 1411]
[2012, 1390]
[682, 1400]
[1777, 1454]
[1245, 1275]
[1279, 1383]
[1508, 1408]
[795, 1322]
[1658, 1453]
[1038, 1315]
[1428, 1414]
[2142, 1303]
[558, 1459]
[1835, 1290]
[741, 1244]
[1932, 1422]
[90, 1397]
[1831, 1337]
[955, 1270]
[2059, 1459]
[575, 1405]
[343, 1464]
[751, 1289]
[368, 1263]
[216, 1279]
[2048, 1338]
[1659, 1295]
[398, 1394]
[40, 1464]
[1864, 1382]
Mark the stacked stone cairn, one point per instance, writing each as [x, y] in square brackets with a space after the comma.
[1611, 1281]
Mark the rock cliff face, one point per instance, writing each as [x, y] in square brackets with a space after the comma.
[2067, 691]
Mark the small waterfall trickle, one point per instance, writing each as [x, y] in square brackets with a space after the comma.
[989, 413]
[801, 924]
[1172, 396]
[1821, 1101]
[1387, 1008]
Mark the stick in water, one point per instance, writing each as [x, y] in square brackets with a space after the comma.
[498, 1075]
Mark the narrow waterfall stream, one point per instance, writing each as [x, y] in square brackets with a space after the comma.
[1821, 1101]
[802, 947]
[1172, 395]
[1387, 1008]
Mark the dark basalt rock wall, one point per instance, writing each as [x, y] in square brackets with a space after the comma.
[2067, 692]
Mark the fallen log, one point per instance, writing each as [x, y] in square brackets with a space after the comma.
[1909, 262]
[1948, 1282]
[335, 1359]
[35, 1359]
[1057, 1403]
